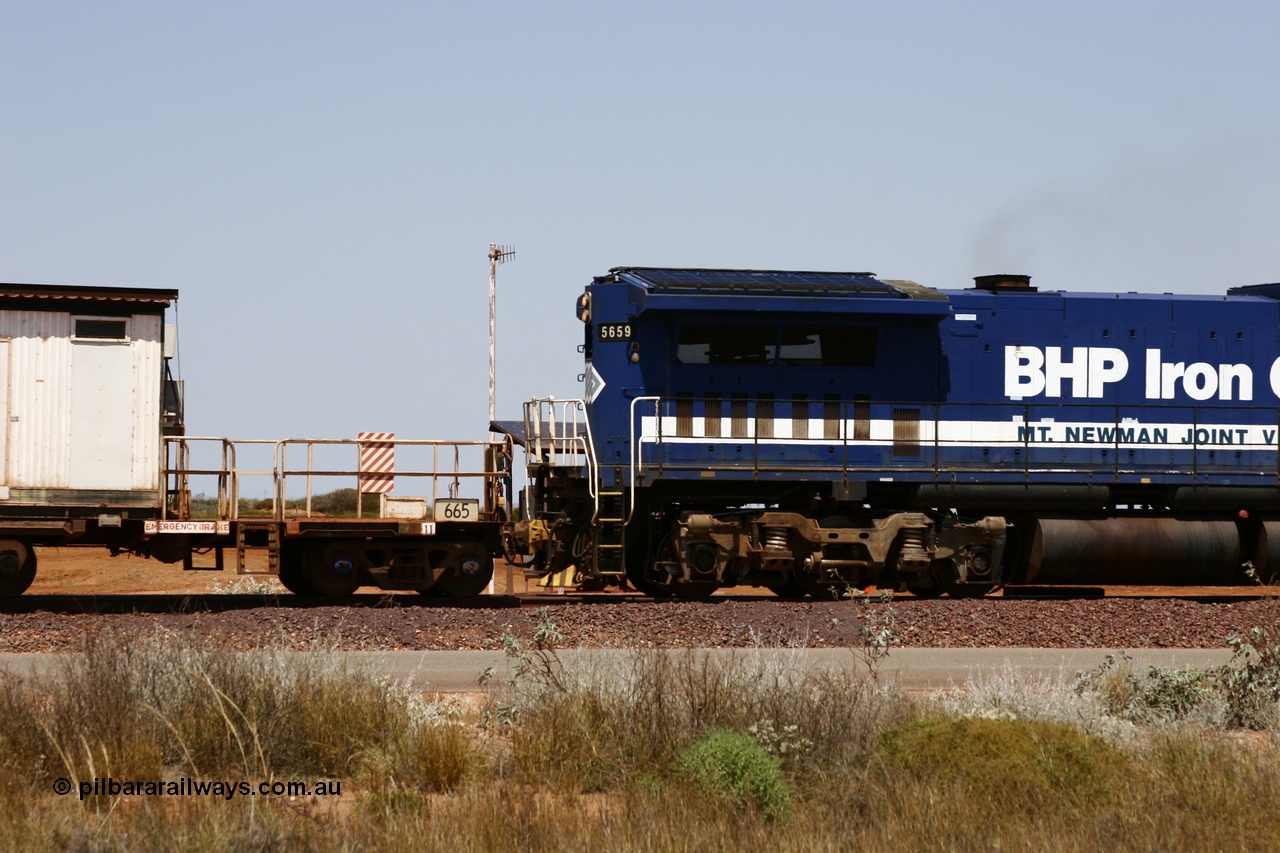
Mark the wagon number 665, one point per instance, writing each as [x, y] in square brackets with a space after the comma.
[457, 510]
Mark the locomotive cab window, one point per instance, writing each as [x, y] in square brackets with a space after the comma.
[766, 343]
[726, 343]
[831, 346]
[100, 329]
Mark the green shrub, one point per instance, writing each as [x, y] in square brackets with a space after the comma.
[340, 502]
[1250, 683]
[1018, 763]
[734, 768]
[1154, 695]
[1243, 693]
[602, 727]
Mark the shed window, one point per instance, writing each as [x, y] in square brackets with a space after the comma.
[92, 328]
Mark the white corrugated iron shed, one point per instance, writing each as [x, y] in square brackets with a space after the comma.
[81, 413]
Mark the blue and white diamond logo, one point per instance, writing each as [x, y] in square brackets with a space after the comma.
[592, 383]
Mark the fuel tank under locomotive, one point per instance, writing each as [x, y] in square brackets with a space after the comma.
[1151, 551]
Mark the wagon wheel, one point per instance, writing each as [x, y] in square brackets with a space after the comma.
[333, 570]
[17, 568]
[469, 573]
[945, 575]
[293, 572]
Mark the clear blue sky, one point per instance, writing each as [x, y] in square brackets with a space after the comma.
[321, 180]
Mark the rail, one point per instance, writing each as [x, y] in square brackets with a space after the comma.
[459, 467]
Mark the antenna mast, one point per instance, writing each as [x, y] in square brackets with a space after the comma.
[497, 255]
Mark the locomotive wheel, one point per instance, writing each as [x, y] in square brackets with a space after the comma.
[333, 570]
[469, 575]
[17, 568]
[809, 584]
[293, 572]
[944, 572]
[639, 561]
[924, 586]
[787, 587]
[694, 590]
[649, 588]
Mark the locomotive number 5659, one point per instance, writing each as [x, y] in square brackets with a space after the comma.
[613, 332]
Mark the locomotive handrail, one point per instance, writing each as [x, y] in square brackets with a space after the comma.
[636, 459]
[1005, 438]
[549, 440]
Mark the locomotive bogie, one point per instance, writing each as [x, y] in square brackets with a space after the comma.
[824, 557]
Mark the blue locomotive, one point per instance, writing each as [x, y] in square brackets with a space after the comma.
[814, 431]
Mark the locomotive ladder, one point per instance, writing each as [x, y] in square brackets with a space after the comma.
[610, 531]
[559, 436]
[249, 538]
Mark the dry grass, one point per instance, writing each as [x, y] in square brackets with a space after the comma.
[601, 759]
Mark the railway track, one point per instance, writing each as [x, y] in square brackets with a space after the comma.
[418, 623]
[224, 602]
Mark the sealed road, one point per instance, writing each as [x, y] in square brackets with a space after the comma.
[910, 668]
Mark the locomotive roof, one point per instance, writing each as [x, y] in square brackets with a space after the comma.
[692, 289]
[770, 283]
[60, 297]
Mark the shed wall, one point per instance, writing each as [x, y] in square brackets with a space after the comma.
[41, 401]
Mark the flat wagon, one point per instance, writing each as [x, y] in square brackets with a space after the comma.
[95, 453]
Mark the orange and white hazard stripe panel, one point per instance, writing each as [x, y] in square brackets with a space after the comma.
[377, 462]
